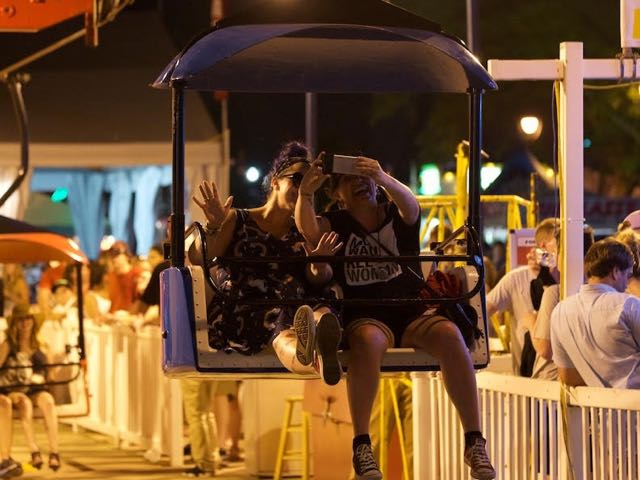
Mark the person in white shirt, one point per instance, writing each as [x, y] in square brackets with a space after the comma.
[595, 334]
[513, 292]
[544, 368]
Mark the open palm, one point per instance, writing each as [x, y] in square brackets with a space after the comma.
[214, 210]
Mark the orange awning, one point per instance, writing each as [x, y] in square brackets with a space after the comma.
[33, 247]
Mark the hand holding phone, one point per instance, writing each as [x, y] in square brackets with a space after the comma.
[341, 164]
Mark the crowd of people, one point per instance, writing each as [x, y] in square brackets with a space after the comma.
[590, 338]
[39, 336]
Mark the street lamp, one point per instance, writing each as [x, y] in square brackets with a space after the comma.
[252, 174]
[531, 127]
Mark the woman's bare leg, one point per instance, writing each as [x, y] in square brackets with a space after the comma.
[24, 407]
[46, 403]
[367, 345]
[443, 341]
[6, 421]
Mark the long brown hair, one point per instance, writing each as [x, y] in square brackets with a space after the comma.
[12, 331]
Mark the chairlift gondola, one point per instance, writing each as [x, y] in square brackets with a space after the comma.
[322, 46]
[21, 243]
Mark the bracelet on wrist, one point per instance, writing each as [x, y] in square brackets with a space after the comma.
[212, 229]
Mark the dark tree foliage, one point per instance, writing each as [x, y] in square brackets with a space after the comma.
[520, 29]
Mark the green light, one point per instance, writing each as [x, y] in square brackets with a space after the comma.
[587, 143]
[429, 179]
[59, 195]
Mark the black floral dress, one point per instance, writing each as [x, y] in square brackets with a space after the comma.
[248, 329]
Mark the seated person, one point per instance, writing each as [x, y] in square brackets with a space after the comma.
[268, 230]
[595, 334]
[370, 224]
[22, 349]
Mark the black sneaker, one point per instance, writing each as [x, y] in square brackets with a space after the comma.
[328, 336]
[305, 328]
[364, 463]
[196, 472]
[476, 457]
[9, 468]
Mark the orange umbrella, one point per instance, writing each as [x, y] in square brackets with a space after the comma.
[24, 243]
[38, 247]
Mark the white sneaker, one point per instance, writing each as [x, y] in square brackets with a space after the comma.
[305, 327]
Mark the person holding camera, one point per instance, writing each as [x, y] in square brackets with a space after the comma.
[515, 294]
[370, 224]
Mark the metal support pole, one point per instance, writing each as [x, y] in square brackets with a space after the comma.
[475, 149]
[472, 26]
[571, 137]
[14, 83]
[80, 311]
[177, 214]
[311, 122]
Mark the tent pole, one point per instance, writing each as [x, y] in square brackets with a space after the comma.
[311, 122]
[14, 83]
[475, 149]
[177, 214]
[79, 266]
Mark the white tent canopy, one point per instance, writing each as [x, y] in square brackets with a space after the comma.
[93, 110]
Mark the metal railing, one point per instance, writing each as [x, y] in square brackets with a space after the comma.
[445, 208]
[533, 429]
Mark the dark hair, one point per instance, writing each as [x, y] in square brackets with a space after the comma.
[97, 271]
[605, 255]
[588, 238]
[290, 153]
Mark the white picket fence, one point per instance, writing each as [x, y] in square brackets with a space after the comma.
[523, 422]
[132, 401]
[130, 398]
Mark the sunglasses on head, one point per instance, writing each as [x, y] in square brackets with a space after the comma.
[296, 178]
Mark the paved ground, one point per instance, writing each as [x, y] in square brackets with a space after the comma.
[88, 455]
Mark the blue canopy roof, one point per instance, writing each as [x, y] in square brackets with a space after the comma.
[326, 46]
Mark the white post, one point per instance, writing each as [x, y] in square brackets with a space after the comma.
[422, 425]
[571, 167]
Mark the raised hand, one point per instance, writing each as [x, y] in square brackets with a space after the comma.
[327, 245]
[213, 209]
[368, 167]
[313, 178]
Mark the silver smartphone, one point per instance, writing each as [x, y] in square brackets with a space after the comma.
[342, 164]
